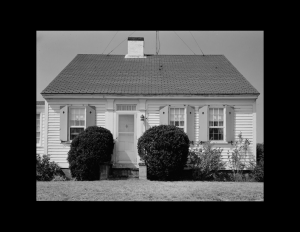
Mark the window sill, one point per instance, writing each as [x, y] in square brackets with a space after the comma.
[66, 142]
[220, 142]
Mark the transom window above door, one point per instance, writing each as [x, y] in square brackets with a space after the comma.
[126, 107]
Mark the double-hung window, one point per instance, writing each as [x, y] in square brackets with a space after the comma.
[77, 121]
[177, 117]
[38, 130]
[216, 124]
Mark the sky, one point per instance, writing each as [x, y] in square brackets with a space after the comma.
[244, 49]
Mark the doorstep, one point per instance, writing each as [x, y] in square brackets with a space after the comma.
[125, 165]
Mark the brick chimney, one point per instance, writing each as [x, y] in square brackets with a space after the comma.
[135, 47]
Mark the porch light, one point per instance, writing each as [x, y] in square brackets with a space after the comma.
[142, 118]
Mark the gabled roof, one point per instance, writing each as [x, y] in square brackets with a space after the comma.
[40, 103]
[179, 75]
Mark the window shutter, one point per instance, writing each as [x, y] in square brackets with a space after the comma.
[203, 123]
[229, 124]
[90, 116]
[190, 123]
[164, 116]
[64, 123]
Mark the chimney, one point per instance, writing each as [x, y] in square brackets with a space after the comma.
[135, 47]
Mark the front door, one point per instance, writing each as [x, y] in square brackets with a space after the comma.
[126, 142]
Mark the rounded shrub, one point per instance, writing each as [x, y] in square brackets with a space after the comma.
[164, 149]
[88, 150]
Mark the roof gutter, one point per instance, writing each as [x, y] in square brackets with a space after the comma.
[127, 96]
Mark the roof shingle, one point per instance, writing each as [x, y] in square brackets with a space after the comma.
[179, 75]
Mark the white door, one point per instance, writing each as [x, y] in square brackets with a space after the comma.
[126, 142]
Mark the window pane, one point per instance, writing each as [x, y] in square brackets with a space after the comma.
[220, 136]
[182, 117]
[172, 117]
[181, 123]
[221, 123]
[176, 123]
[74, 132]
[81, 123]
[216, 137]
[210, 117]
[215, 111]
[37, 140]
[221, 111]
[181, 110]
[215, 118]
[221, 117]
[215, 123]
[38, 134]
[220, 131]
[172, 110]
[210, 133]
[37, 128]
[76, 123]
[215, 130]
[175, 117]
[211, 123]
[176, 111]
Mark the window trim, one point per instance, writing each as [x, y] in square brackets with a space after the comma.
[40, 143]
[69, 120]
[224, 124]
[185, 115]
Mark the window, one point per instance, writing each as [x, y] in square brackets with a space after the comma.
[38, 129]
[77, 121]
[126, 107]
[177, 117]
[216, 123]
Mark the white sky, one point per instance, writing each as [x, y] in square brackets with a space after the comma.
[244, 49]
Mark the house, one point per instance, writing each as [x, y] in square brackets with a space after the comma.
[204, 95]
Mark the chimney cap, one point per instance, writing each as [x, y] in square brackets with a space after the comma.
[136, 38]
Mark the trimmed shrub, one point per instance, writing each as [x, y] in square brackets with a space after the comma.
[206, 162]
[46, 170]
[165, 150]
[90, 148]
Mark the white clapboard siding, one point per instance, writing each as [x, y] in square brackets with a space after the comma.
[100, 115]
[59, 152]
[40, 149]
[153, 114]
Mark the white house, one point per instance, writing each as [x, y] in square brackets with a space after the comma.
[205, 95]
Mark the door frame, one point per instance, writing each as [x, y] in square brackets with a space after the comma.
[134, 113]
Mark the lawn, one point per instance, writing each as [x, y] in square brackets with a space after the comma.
[145, 190]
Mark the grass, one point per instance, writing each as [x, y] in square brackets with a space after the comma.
[145, 190]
